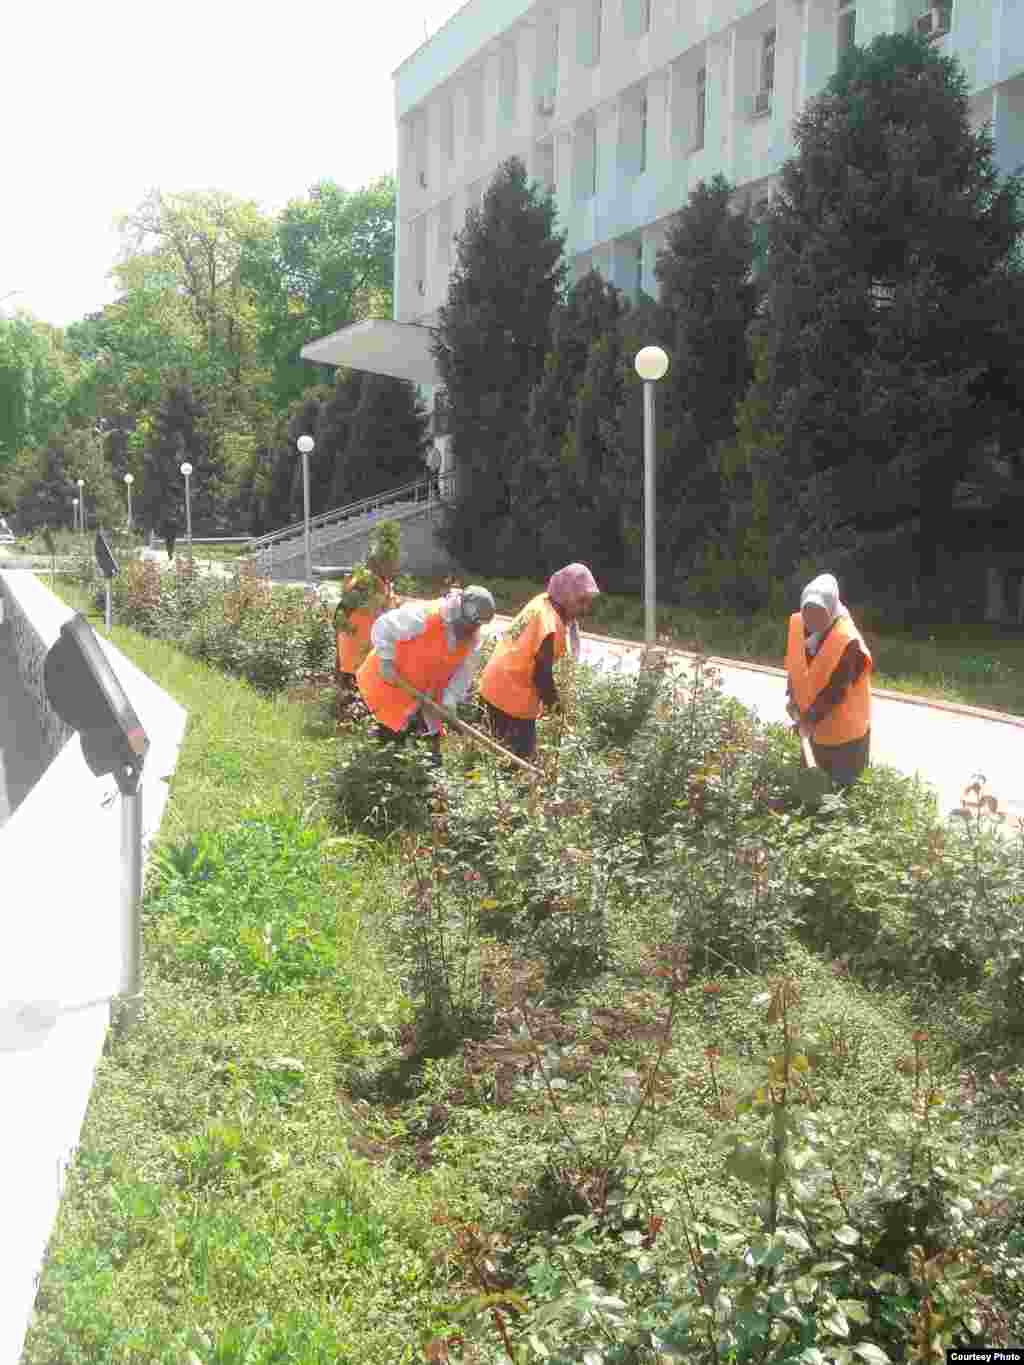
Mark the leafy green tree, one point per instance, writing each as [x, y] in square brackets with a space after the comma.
[709, 299]
[897, 301]
[325, 261]
[36, 375]
[493, 335]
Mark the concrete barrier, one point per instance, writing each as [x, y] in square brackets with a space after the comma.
[60, 881]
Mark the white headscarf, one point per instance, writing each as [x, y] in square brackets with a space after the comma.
[823, 591]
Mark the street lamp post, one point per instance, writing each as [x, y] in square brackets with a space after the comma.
[81, 504]
[651, 364]
[74, 504]
[306, 444]
[129, 479]
[186, 469]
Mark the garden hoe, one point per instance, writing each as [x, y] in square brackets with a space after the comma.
[811, 782]
[480, 738]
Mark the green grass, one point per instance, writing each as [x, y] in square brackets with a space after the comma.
[231, 1197]
[974, 664]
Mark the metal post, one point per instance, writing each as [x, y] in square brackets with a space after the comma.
[305, 504]
[107, 589]
[131, 902]
[649, 512]
[188, 517]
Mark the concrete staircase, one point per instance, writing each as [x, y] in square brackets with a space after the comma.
[341, 537]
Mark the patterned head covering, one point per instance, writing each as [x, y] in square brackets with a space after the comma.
[474, 605]
[823, 591]
[570, 582]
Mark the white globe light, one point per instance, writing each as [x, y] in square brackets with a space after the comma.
[129, 479]
[186, 469]
[81, 484]
[305, 444]
[651, 363]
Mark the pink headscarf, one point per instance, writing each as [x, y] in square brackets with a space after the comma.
[571, 581]
[567, 583]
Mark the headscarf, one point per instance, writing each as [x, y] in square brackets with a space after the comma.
[822, 591]
[568, 583]
[472, 606]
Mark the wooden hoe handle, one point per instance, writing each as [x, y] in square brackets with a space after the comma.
[478, 735]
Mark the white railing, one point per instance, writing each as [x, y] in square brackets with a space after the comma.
[417, 491]
[400, 502]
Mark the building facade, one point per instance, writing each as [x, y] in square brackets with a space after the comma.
[620, 107]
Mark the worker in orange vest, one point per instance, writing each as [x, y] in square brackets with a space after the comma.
[365, 595]
[829, 667]
[435, 646]
[517, 684]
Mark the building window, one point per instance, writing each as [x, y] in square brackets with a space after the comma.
[444, 233]
[589, 52]
[448, 129]
[847, 28]
[545, 163]
[636, 16]
[476, 106]
[508, 82]
[702, 106]
[768, 62]
[585, 149]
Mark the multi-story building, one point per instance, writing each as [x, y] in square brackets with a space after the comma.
[621, 107]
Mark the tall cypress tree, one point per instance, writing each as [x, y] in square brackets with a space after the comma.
[709, 300]
[387, 439]
[893, 288]
[543, 482]
[493, 334]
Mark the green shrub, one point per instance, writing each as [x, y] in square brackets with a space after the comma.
[247, 906]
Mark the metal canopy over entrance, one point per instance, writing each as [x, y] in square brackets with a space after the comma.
[399, 349]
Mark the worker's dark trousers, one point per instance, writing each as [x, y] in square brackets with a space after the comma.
[513, 732]
[844, 763]
[418, 732]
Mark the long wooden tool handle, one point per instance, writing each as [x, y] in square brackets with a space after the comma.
[805, 745]
[478, 735]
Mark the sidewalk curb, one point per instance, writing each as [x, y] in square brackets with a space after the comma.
[957, 708]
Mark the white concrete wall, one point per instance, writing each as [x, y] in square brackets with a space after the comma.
[59, 906]
[724, 36]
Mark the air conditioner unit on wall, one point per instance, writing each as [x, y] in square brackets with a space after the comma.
[546, 105]
[422, 177]
[762, 103]
[420, 287]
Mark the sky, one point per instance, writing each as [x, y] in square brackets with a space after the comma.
[102, 102]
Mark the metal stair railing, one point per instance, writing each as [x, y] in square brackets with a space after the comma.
[416, 491]
[289, 540]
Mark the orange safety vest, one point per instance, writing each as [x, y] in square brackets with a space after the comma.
[352, 649]
[426, 662]
[507, 681]
[851, 719]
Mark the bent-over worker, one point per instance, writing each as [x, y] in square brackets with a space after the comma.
[371, 587]
[435, 646]
[518, 684]
[829, 682]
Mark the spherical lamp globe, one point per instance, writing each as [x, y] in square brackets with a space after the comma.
[651, 363]
[305, 444]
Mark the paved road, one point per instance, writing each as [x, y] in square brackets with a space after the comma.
[946, 747]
